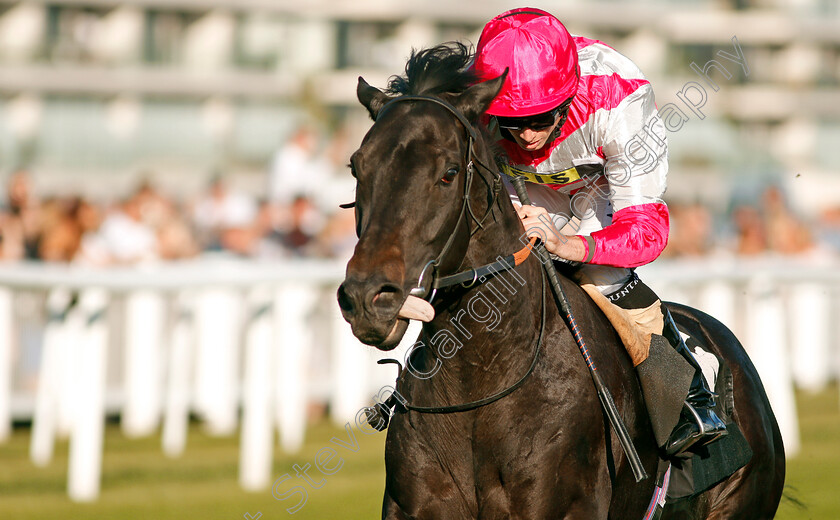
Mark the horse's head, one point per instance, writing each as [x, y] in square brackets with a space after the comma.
[415, 200]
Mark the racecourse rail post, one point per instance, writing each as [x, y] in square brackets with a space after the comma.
[603, 392]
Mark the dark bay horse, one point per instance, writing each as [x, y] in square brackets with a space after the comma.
[428, 205]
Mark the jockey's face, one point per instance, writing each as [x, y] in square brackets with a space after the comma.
[533, 139]
[533, 132]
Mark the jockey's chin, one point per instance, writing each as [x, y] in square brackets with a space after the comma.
[533, 140]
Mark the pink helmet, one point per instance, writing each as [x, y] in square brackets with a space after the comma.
[542, 58]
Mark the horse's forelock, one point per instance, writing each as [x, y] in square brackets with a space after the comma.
[442, 69]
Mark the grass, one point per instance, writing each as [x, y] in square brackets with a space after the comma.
[139, 482]
[813, 477]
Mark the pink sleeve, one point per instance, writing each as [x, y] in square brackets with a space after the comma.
[637, 235]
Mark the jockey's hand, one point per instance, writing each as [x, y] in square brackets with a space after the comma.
[537, 223]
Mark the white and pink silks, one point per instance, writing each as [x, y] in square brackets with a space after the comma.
[603, 176]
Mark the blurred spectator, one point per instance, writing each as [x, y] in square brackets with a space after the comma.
[155, 208]
[749, 231]
[786, 234]
[65, 223]
[175, 238]
[295, 168]
[11, 237]
[300, 224]
[224, 219]
[268, 240]
[338, 238]
[160, 213]
[829, 223]
[123, 237]
[21, 224]
[691, 230]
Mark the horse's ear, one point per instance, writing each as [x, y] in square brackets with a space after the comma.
[476, 99]
[371, 97]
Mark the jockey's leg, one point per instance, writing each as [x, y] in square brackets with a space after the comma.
[677, 396]
[699, 424]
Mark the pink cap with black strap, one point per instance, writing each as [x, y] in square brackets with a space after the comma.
[541, 56]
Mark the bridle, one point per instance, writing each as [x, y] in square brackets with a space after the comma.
[429, 274]
[466, 278]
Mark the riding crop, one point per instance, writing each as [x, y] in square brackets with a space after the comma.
[603, 392]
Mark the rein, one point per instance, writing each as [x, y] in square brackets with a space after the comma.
[479, 273]
[473, 275]
[495, 397]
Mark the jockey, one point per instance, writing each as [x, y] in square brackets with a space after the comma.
[578, 121]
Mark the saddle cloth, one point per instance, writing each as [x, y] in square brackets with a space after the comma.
[680, 479]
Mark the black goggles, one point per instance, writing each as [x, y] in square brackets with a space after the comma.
[537, 122]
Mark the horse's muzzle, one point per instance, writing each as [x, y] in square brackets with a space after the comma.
[371, 308]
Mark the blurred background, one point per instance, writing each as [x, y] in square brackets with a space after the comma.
[171, 242]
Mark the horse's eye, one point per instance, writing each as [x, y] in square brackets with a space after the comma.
[352, 169]
[449, 176]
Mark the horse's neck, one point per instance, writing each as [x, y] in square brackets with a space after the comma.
[494, 324]
[485, 340]
[502, 235]
[501, 230]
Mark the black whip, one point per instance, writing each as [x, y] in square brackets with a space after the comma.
[603, 392]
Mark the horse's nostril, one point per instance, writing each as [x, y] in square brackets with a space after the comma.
[344, 301]
[386, 295]
[353, 296]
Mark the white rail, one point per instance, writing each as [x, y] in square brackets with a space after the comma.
[210, 335]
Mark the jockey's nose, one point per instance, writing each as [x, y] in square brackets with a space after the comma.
[527, 134]
[376, 297]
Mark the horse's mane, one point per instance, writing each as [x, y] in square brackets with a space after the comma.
[442, 69]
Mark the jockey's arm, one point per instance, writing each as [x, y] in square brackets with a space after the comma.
[636, 150]
[534, 220]
[634, 146]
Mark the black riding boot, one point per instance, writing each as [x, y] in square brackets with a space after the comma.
[699, 424]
